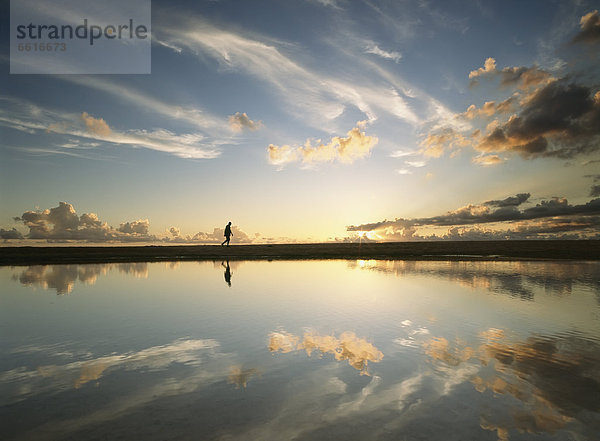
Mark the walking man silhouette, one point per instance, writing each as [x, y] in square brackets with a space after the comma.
[227, 234]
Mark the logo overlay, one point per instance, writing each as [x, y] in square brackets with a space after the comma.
[80, 37]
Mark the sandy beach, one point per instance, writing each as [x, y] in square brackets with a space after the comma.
[483, 250]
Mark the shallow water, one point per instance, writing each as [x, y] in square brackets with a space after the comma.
[305, 350]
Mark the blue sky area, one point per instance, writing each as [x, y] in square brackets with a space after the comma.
[316, 120]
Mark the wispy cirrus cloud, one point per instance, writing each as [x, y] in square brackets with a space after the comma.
[376, 50]
[30, 118]
[192, 115]
[310, 93]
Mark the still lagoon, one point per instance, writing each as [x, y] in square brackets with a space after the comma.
[301, 350]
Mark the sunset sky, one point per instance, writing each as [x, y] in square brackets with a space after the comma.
[316, 120]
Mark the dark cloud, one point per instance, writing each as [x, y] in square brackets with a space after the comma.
[10, 234]
[520, 76]
[560, 119]
[511, 201]
[521, 280]
[595, 190]
[533, 373]
[547, 218]
[590, 28]
[524, 77]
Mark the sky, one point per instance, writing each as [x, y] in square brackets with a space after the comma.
[316, 121]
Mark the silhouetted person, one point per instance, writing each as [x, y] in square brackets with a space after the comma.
[227, 234]
[227, 273]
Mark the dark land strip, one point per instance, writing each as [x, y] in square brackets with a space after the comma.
[479, 250]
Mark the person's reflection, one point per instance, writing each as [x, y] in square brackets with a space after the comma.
[227, 273]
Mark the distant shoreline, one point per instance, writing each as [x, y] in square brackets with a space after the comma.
[456, 251]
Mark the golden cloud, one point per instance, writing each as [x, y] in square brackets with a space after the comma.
[545, 374]
[282, 342]
[347, 149]
[438, 348]
[240, 376]
[348, 347]
[488, 67]
[487, 160]
[489, 108]
[435, 144]
[96, 126]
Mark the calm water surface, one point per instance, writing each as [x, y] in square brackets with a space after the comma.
[313, 350]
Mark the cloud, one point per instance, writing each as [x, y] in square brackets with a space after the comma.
[212, 125]
[519, 279]
[436, 142]
[590, 28]
[511, 201]
[560, 119]
[282, 341]
[546, 219]
[63, 278]
[13, 233]
[488, 67]
[240, 377]
[217, 236]
[524, 77]
[489, 108]
[96, 126]
[549, 117]
[354, 146]
[348, 347]
[532, 372]
[138, 227]
[315, 94]
[438, 348]
[30, 118]
[538, 99]
[595, 190]
[76, 374]
[403, 153]
[241, 121]
[488, 160]
[329, 3]
[374, 49]
[62, 223]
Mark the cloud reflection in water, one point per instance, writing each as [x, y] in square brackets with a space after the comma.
[517, 279]
[554, 379]
[22, 382]
[62, 278]
[357, 351]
